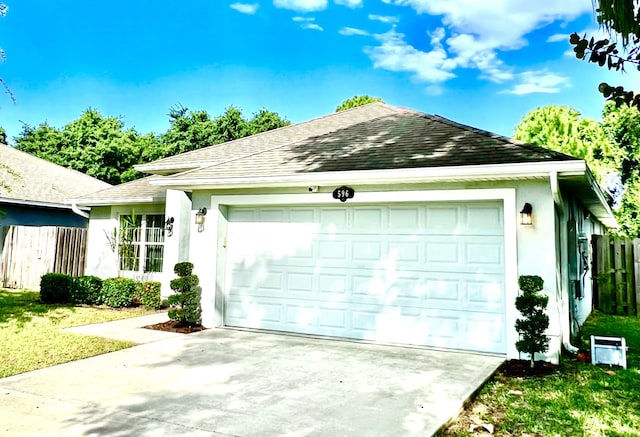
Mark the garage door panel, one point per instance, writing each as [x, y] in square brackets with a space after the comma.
[427, 274]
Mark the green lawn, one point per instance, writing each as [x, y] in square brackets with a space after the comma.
[31, 335]
[580, 400]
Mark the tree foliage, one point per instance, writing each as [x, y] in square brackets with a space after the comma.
[103, 148]
[93, 144]
[621, 19]
[357, 101]
[610, 147]
[565, 130]
[621, 124]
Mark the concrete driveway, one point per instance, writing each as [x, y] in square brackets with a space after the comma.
[225, 383]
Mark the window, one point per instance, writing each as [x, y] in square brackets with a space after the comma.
[141, 243]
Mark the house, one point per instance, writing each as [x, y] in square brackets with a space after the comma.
[377, 223]
[32, 194]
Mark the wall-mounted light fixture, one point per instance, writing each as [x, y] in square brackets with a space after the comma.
[526, 215]
[168, 226]
[200, 218]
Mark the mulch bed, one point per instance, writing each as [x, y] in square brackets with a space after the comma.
[522, 368]
[173, 326]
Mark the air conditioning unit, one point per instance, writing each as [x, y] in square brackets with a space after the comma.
[609, 350]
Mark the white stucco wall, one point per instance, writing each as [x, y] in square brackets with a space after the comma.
[101, 259]
[176, 246]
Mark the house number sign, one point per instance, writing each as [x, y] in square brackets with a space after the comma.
[343, 193]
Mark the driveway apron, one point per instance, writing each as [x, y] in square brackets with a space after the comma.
[224, 382]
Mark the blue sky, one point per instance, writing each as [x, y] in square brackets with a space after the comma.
[485, 63]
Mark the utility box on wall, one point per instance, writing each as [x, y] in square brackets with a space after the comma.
[609, 350]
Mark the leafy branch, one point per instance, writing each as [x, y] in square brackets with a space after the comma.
[605, 53]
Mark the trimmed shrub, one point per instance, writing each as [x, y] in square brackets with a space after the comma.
[185, 305]
[150, 296]
[183, 268]
[535, 322]
[87, 289]
[119, 292]
[55, 288]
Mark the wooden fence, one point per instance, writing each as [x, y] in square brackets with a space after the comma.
[31, 251]
[616, 275]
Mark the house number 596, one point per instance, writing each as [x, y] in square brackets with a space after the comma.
[343, 193]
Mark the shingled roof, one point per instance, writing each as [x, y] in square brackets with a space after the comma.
[398, 139]
[376, 136]
[27, 178]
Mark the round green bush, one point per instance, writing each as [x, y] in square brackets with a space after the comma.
[119, 292]
[55, 288]
[87, 289]
[150, 296]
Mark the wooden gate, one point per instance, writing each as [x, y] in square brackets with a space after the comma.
[31, 251]
[616, 275]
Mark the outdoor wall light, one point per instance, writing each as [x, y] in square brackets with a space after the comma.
[168, 226]
[200, 218]
[526, 218]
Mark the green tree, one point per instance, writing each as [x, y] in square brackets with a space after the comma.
[357, 101]
[98, 146]
[621, 124]
[565, 130]
[621, 19]
[191, 130]
[3, 136]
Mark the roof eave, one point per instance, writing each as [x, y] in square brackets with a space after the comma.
[116, 201]
[369, 177]
[36, 203]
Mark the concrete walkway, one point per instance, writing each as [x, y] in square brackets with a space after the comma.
[224, 383]
[129, 329]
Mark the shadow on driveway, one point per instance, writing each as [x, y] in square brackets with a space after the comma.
[224, 382]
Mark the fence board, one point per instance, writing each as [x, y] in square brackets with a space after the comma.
[30, 251]
[616, 275]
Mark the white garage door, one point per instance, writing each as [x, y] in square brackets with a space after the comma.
[425, 274]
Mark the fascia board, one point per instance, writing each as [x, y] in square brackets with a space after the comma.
[412, 175]
[115, 201]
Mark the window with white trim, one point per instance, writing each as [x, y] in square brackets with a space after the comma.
[141, 243]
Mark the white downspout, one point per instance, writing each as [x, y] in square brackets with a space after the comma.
[75, 209]
[562, 310]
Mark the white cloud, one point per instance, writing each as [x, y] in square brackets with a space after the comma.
[312, 26]
[383, 18]
[479, 30]
[348, 31]
[558, 37]
[504, 23]
[395, 54]
[303, 19]
[301, 5]
[541, 81]
[349, 3]
[245, 8]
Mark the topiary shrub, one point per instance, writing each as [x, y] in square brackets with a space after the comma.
[87, 290]
[185, 305]
[55, 288]
[535, 322]
[150, 296]
[119, 292]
